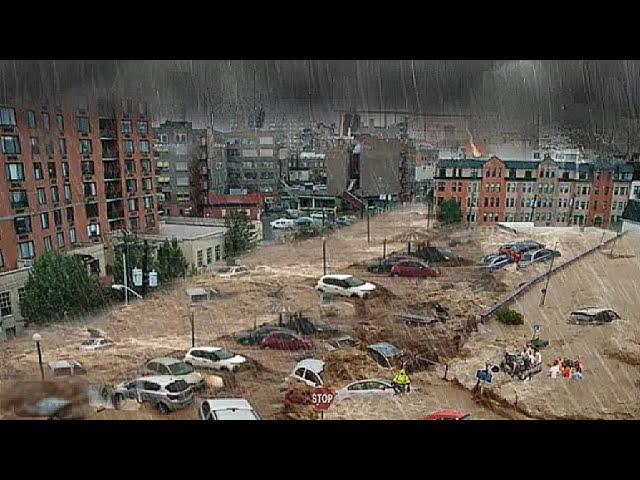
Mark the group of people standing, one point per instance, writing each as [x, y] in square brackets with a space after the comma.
[567, 368]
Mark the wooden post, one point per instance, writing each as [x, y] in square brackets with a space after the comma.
[446, 370]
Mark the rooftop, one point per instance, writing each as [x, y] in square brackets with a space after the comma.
[632, 211]
[187, 232]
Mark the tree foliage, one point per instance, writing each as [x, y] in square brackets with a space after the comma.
[241, 234]
[509, 317]
[170, 262]
[59, 285]
[449, 212]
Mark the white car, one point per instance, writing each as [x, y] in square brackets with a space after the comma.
[366, 389]
[214, 357]
[345, 285]
[309, 371]
[282, 223]
[95, 344]
[167, 393]
[176, 368]
[227, 409]
[233, 271]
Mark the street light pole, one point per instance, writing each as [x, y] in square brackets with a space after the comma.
[126, 291]
[544, 290]
[36, 337]
[384, 249]
[368, 226]
[324, 255]
[193, 333]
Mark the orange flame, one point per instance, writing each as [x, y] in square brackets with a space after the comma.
[476, 152]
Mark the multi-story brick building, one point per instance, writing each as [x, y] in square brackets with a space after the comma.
[544, 192]
[182, 170]
[74, 170]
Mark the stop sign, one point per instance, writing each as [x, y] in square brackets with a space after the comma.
[322, 398]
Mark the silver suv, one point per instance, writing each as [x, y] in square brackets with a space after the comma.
[167, 393]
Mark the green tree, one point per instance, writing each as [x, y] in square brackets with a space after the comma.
[241, 234]
[170, 262]
[59, 285]
[449, 212]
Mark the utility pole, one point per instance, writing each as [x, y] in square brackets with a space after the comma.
[544, 290]
[193, 332]
[384, 249]
[368, 226]
[126, 285]
[324, 255]
[144, 267]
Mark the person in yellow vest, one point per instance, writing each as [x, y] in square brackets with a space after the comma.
[402, 380]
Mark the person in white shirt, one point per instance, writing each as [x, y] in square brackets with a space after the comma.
[554, 370]
[538, 357]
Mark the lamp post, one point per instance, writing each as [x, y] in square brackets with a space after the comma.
[193, 332]
[36, 338]
[384, 248]
[324, 255]
[544, 290]
[368, 227]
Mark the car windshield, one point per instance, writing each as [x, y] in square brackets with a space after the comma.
[89, 342]
[239, 414]
[224, 270]
[180, 368]
[354, 282]
[224, 354]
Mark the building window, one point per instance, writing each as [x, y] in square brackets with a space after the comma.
[42, 196]
[85, 146]
[133, 204]
[217, 252]
[60, 122]
[45, 121]
[18, 198]
[150, 220]
[10, 144]
[87, 167]
[65, 170]
[60, 237]
[14, 171]
[31, 119]
[146, 184]
[132, 186]
[125, 126]
[44, 220]
[145, 164]
[181, 138]
[7, 117]
[127, 146]
[134, 223]
[57, 217]
[93, 230]
[54, 194]
[90, 189]
[5, 304]
[199, 255]
[148, 202]
[142, 108]
[37, 171]
[62, 145]
[91, 210]
[130, 166]
[26, 250]
[209, 255]
[35, 147]
[144, 146]
[143, 128]
[70, 215]
[72, 236]
[164, 138]
[83, 124]
[48, 246]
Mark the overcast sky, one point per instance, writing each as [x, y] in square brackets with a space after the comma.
[594, 92]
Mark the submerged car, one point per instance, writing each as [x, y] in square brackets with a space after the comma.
[166, 393]
[384, 265]
[176, 368]
[343, 341]
[66, 368]
[234, 271]
[414, 268]
[448, 415]
[95, 344]
[534, 256]
[520, 247]
[255, 337]
[497, 262]
[286, 341]
[227, 409]
[593, 316]
[367, 389]
[309, 371]
[214, 357]
[385, 354]
[345, 285]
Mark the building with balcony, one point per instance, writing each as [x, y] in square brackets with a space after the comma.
[182, 168]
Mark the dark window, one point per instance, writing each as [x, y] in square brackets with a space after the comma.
[142, 128]
[48, 246]
[132, 186]
[14, 171]
[151, 221]
[87, 167]
[144, 146]
[57, 217]
[44, 220]
[145, 164]
[90, 189]
[146, 184]
[7, 117]
[130, 166]
[133, 221]
[70, 216]
[5, 304]
[51, 168]
[35, 147]
[85, 146]
[67, 192]
[10, 144]
[62, 145]
[127, 146]
[37, 171]
[18, 198]
[22, 224]
[527, 174]
[54, 194]
[31, 119]
[65, 170]
[72, 236]
[91, 210]
[60, 237]
[42, 196]
[60, 122]
[45, 121]
[83, 124]
[125, 126]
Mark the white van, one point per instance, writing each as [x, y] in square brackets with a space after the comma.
[282, 223]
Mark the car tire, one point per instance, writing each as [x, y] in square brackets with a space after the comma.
[162, 408]
[354, 295]
[118, 400]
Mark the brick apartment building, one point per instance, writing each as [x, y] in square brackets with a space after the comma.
[545, 192]
[74, 170]
[220, 206]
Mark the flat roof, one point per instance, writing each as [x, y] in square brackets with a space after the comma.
[187, 232]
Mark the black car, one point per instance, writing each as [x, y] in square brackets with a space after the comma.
[384, 265]
[254, 337]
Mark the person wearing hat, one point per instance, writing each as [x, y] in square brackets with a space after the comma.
[402, 380]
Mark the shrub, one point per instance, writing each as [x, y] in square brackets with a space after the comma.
[509, 317]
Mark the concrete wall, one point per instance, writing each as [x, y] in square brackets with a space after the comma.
[338, 168]
[630, 226]
[380, 167]
[11, 282]
[190, 249]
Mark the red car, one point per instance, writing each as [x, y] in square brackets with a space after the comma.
[286, 341]
[447, 415]
[414, 268]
